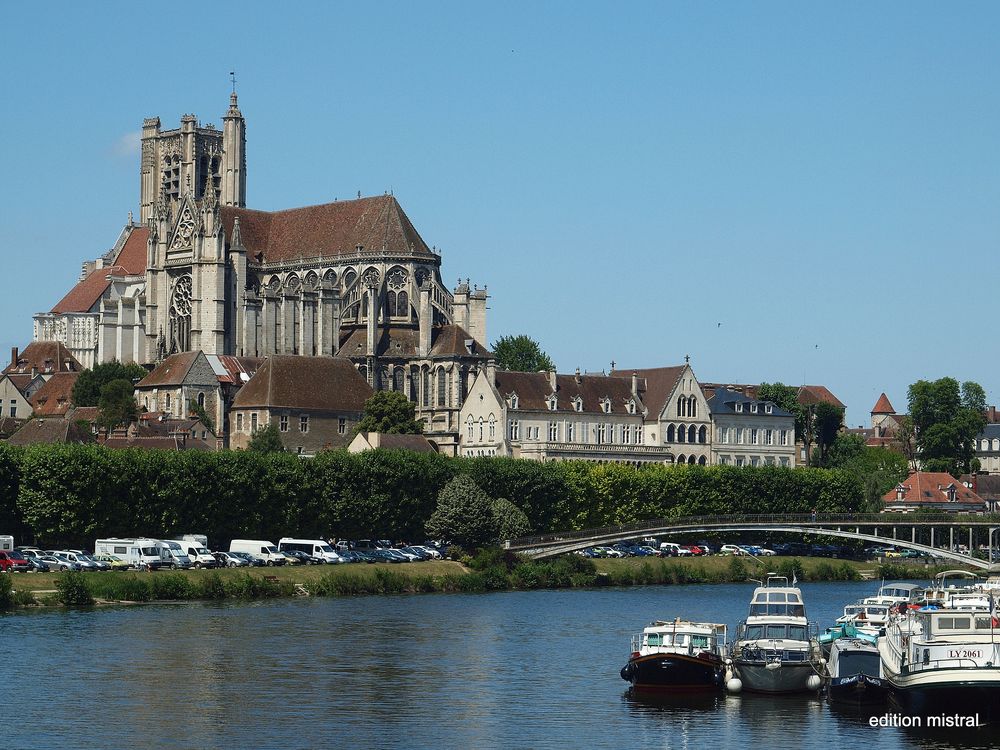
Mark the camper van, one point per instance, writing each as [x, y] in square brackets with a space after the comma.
[141, 553]
[6, 542]
[196, 548]
[177, 554]
[314, 547]
[260, 549]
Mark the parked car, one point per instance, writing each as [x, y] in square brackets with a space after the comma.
[88, 566]
[12, 561]
[432, 553]
[230, 560]
[350, 556]
[55, 564]
[114, 561]
[732, 549]
[694, 549]
[250, 560]
[385, 555]
[304, 558]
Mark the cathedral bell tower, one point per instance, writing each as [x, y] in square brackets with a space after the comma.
[234, 156]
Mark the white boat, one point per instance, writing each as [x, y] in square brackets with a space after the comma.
[776, 650]
[939, 661]
[677, 656]
[894, 594]
[869, 619]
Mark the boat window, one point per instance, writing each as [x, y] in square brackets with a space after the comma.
[797, 610]
[776, 596]
[758, 609]
[794, 598]
[754, 632]
[984, 622]
[654, 639]
[699, 641]
[797, 632]
[953, 623]
[854, 662]
[679, 640]
[775, 631]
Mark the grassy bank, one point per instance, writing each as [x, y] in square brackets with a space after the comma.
[490, 570]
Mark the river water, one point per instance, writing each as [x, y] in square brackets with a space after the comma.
[505, 670]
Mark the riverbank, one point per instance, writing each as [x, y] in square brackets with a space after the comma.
[490, 570]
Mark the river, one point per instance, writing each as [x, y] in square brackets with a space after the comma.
[532, 669]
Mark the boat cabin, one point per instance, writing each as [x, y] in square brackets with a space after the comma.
[680, 636]
[896, 593]
[777, 602]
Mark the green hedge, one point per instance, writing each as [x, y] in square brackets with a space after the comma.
[72, 494]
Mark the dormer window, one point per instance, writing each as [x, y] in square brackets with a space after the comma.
[606, 405]
[900, 491]
[552, 402]
[513, 401]
[753, 408]
[739, 408]
[768, 409]
[577, 404]
[630, 407]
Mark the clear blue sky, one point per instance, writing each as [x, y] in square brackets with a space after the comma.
[822, 180]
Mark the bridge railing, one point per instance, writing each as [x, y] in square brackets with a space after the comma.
[764, 519]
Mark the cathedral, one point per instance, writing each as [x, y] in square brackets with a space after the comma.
[202, 271]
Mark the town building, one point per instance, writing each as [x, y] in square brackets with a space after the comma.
[315, 403]
[546, 416]
[55, 397]
[368, 441]
[750, 432]
[28, 372]
[938, 492]
[201, 271]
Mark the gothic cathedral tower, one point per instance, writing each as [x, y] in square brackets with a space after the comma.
[187, 174]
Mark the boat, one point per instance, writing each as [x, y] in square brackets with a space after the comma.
[938, 661]
[894, 594]
[840, 631]
[854, 667]
[866, 618]
[776, 649]
[677, 656]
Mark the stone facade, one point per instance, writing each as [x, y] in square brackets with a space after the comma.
[750, 432]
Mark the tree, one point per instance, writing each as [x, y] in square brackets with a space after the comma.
[464, 514]
[521, 354]
[878, 469]
[266, 440]
[88, 385]
[905, 441]
[946, 420]
[199, 411]
[826, 423]
[509, 521]
[785, 397]
[117, 405]
[390, 412]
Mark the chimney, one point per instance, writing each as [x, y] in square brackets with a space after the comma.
[34, 371]
[552, 380]
[13, 356]
[635, 382]
[578, 376]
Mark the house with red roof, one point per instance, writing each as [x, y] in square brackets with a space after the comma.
[938, 492]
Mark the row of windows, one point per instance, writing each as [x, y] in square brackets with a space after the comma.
[687, 406]
[753, 461]
[283, 423]
[751, 436]
[690, 434]
[571, 432]
[471, 426]
[768, 408]
[984, 445]
[692, 460]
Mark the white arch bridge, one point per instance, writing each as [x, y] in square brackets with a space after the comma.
[938, 533]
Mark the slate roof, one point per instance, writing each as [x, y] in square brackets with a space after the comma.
[131, 261]
[54, 399]
[46, 356]
[451, 341]
[882, 406]
[400, 341]
[306, 383]
[533, 388]
[930, 487]
[327, 230]
[805, 394]
[724, 402]
[659, 384]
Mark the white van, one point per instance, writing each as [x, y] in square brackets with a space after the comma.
[197, 550]
[141, 553]
[314, 547]
[177, 554]
[6, 542]
[260, 549]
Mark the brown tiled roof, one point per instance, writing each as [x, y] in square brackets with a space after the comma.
[533, 388]
[814, 394]
[46, 356]
[987, 486]
[882, 406]
[131, 261]
[54, 398]
[328, 230]
[237, 367]
[50, 431]
[85, 414]
[930, 487]
[659, 384]
[170, 371]
[450, 341]
[158, 442]
[308, 383]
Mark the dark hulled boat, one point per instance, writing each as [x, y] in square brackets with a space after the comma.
[677, 657]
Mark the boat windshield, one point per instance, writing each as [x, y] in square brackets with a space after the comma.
[854, 662]
[793, 610]
[791, 632]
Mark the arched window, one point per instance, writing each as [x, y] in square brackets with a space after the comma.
[363, 371]
[442, 379]
[398, 379]
[426, 396]
[180, 316]
[680, 406]
[692, 407]
[701, 461]
[168, 402]
[469, 423]
[493, 427]
[681, 459]
[702, 434]
[692, 434]
[681, 433]
[691, 460]
[670, 433]
[402, 305]
[480, 429]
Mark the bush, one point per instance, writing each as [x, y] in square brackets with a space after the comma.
[72, 590]
[212, 587]
[171, 587]
[6, 591]
[121, 588]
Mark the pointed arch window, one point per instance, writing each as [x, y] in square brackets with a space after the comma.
[180, 315]
[680, 406]
[442, 387]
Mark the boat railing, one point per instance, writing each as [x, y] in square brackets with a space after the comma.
[956, 663]
[716, 644]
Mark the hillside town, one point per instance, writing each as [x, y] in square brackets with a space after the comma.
[243, 320]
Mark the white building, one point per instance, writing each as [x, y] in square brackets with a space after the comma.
[750, 432]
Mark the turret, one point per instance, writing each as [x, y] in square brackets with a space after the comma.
[234, 159]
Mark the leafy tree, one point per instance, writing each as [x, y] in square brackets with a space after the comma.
[827, 420]
[510, 522]
[117, 405]
[464, 514]
[390, 412]
[878, 469]
[785, 397]
[521, 354]
[905, 441]
[88, 385]
[946, 420]
[266, 440]
[199, 411]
